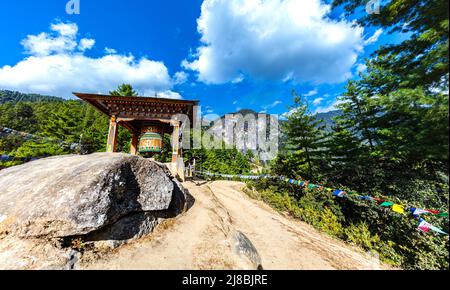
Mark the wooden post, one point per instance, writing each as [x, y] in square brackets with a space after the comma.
[177, 154]
[175, 142]
[111, 144]
[134, 143]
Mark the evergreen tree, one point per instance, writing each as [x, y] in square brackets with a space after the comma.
[422, 59]
[94, 131]
[125, 90]
[359, 113]
[64, 123]
[305, 134]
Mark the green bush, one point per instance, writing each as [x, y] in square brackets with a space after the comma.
[394, 237]
[361, 236]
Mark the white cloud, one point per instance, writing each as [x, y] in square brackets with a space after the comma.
[274, 40]
[321, 109]
[109, 50]
[360, 68]
[272, 105]
[65, 29]
[311, 93]
[330, 107]
[180, 77]
[238, 79]
[374, 37]
[86, 44]
[165, 94]
[56, 67]
[317, 101]
[62, 40]
[288, 114]
[235, 102]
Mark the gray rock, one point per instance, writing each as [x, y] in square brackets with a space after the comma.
[75, 195]
[99, 197]
[243, 246]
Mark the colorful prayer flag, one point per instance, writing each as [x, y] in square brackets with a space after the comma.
[387, 204]
[398, 208]
[418, 211]
[424, 226]
[339, 193]
[438, 230]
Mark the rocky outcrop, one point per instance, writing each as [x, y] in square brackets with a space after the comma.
[99, 198]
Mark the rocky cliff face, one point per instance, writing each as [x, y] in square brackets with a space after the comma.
[53, 208]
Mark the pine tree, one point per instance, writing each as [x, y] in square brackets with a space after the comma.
[359, 113]
[63, 123]
[125, 90]
[305, 134]
[421, 59]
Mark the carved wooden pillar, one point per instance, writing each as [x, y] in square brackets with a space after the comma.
[177, 154]
[134, 143]
[111, 144]
[175, 142]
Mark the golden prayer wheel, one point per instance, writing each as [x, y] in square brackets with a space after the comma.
[150, 141]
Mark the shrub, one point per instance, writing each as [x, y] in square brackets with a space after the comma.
[393, 236]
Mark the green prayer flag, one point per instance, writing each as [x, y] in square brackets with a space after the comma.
[387, 204]
[443, 214]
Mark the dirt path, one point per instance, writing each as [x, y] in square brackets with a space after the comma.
[209, 236]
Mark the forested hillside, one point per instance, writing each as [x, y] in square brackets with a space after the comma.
[15, 97]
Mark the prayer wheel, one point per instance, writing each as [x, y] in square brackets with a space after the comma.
[150, 141]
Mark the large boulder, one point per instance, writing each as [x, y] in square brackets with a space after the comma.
[98, 197]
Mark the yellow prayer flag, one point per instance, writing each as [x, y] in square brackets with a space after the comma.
[398, 208]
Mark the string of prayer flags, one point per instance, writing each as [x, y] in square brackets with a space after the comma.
[424, 226]
[398, 208]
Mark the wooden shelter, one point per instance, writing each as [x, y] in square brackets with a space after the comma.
[145, 116]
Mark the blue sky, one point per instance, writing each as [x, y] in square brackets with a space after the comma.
[229, 55]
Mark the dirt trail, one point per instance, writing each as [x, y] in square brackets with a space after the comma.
[205, 238]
